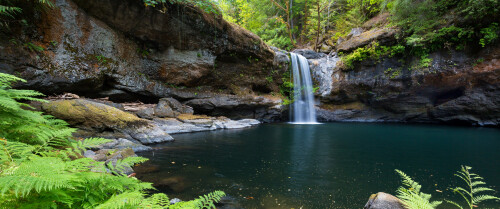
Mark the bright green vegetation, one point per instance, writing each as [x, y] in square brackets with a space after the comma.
[41, 164]
[411, 195]
[472, 194]
[373, 51]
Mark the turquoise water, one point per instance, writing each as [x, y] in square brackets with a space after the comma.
[332, 165]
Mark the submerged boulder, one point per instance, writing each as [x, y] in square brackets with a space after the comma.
[383, 200]
[97, 117]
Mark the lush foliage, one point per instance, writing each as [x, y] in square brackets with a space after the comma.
[472, 194]
[433, 24]
[41, 164]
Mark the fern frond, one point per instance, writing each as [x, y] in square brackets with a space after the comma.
[123, 200]
[14, 152]
[158, 200]
[119, 167]
[471, 193]
[38, 174]
[411, 196]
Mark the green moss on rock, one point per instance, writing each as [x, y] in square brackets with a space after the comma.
[87, 114]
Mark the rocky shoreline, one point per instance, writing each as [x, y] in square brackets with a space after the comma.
[131, 126]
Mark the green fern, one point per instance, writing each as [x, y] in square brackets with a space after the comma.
[471, 194]
[412, 197]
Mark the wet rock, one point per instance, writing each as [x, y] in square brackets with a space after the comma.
[381, 35]
[322, 71]
[383, 200]
[309, 54]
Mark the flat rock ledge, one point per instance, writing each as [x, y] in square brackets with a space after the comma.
[134, 125]
[195, 123]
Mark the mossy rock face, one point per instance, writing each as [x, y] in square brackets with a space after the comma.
[92, 115]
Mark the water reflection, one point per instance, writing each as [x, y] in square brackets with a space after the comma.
[320, 166]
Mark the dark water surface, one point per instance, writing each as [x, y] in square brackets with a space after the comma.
[332, 165]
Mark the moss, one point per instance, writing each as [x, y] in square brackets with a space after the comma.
[183, 117]
[91, 114]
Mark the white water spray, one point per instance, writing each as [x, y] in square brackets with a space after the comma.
[302, 109]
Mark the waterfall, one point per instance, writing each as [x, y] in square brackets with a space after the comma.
[302, 109]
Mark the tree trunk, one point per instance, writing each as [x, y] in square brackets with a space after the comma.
[319, 27]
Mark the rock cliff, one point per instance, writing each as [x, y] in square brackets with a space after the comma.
[461, 88]
[127, 52]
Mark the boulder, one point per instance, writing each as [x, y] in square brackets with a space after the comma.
[381, 35]
[147, 113]
[383, 200]
[163, 110]
[96, 117]
[172, 103]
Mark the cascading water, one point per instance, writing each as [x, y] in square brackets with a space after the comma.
[302, 109]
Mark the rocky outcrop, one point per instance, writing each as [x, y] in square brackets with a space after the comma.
[383, 200]
[127, 52]
[357, 39]
[266, 108]
[97, 118]
[455, 88]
